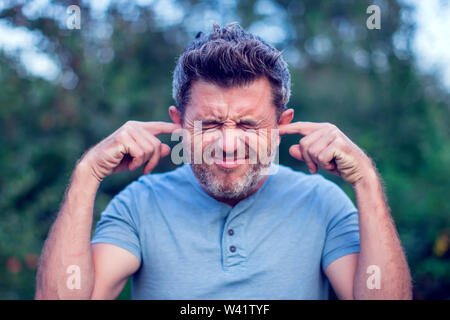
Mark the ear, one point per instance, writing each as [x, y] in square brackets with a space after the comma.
[175, 115]
[285, 118]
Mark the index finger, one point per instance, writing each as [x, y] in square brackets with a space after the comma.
[301, 127]
[160, 127]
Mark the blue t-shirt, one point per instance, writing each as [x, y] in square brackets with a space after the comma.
[274, 244]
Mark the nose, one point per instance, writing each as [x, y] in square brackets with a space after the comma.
[230, 142]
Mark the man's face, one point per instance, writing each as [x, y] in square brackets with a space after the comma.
[235, 136]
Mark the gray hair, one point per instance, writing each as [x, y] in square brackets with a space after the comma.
[230, 56]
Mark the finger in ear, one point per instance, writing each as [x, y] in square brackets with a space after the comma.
[295, 152]
[165, 150]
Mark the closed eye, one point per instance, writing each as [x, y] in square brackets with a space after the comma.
[210, 125]
[247, 125]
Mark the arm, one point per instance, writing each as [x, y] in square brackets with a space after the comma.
[379, 246]
[69, 244]
[113, 266]
[102, 270]
[326, 146]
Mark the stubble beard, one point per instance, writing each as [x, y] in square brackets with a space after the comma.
[224, 189]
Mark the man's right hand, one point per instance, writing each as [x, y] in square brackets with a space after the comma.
[128, 148]
[132, 145]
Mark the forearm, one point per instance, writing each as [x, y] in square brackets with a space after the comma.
[68, 243]
[379, 244]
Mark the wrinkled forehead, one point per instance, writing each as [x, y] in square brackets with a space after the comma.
[214, 102]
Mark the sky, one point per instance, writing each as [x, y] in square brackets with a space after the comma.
[430, 44]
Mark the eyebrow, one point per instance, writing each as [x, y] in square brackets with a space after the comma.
[245, 120]
[210, 121]
[248, 121]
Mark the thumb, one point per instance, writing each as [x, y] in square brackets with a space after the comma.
[165, 150]
[295, 152]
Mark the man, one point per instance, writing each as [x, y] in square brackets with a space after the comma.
[227, 228]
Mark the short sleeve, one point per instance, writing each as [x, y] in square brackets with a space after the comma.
[342, 233]
[118, 225]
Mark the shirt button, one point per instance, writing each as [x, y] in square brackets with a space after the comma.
[232, 248]
[231, 232]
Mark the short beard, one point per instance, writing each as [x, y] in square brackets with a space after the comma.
[225, 189]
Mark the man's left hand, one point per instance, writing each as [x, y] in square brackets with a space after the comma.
[324, 145]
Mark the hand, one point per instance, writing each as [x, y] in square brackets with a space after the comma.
[324, 145]
[128, 148]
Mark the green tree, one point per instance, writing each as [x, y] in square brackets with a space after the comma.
[118, 67]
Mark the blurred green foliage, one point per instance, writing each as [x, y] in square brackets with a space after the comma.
[118, 67]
